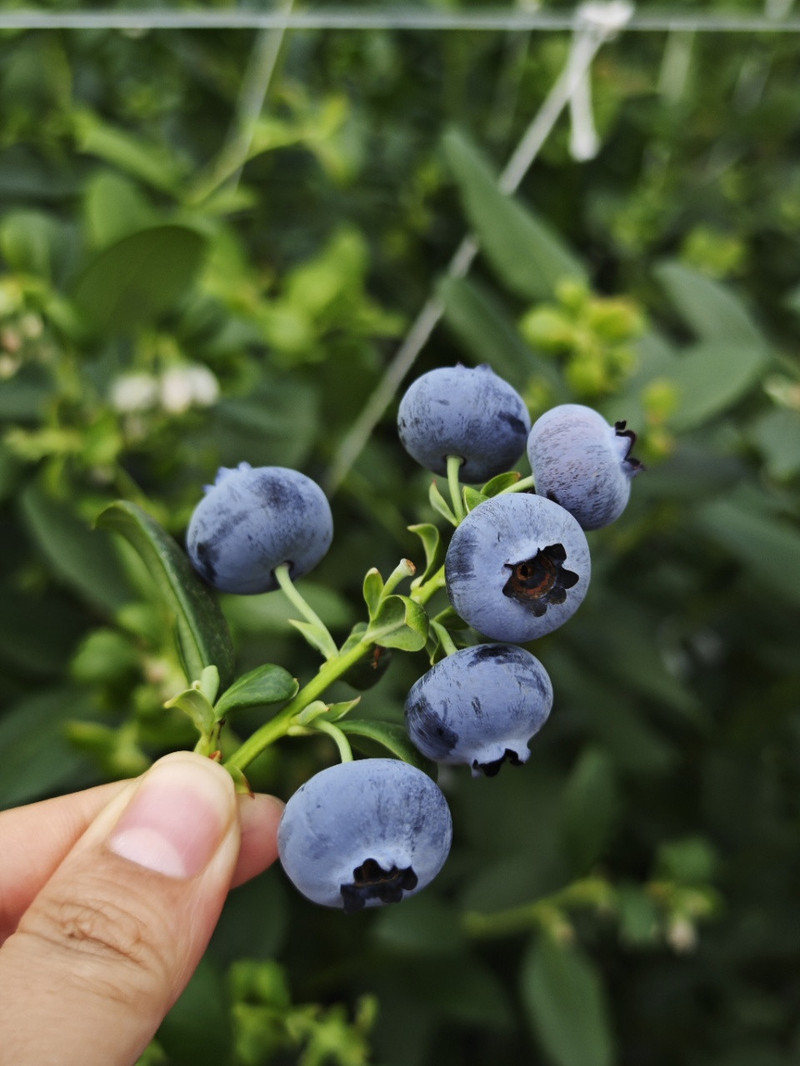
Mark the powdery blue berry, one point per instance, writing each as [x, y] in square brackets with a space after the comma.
[517, 567]
[465, 411]
[252, 520]
[365, 833]
[583, 463]
[480, 706]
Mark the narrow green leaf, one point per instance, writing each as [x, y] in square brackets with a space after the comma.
[590, 808]
[138, 278]
[777, 435]
[389, 736]
[400, 623]
[472, 497]
[433, 548]
[36, 758]
[528, 256]
[711, 377]
[315, 634]
[202, 633]
[501, 483]
[194, 704]
[156, 164]
[85, 559]
[564, 998]
[710, 309]
[263, 686]
[766, 546]
[373, 587]
[440, 504]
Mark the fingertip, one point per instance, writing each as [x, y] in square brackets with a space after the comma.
[259, 816]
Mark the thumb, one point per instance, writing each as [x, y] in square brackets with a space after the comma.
[111, 940]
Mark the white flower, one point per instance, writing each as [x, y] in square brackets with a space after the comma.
[134, 392]
[188, 386]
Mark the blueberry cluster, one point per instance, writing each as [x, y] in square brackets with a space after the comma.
[372, 831]
[518, 564]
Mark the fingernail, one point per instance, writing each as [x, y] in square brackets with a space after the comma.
[177, 817]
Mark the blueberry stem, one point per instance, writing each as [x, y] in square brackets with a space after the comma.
[280, 725]
[422, 593]
[338, 737]
[324, 641]
[522, 485]
[454, 464]
[405, 568]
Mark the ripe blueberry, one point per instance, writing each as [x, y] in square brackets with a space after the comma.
[517, 567]
[480, 706]
[583, 463]
[364, 833]
[463, 411]
[253, 519]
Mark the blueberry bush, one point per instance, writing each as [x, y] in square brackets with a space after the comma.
[190, 285]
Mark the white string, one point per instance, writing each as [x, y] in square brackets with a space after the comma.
[599, 23]
[395, 18]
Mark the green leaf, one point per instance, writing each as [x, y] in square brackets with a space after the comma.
[440, 504]
[115, 207]
[83, 558]
[400, 623]
[777, 435]
[265, 685]
[389, 736]
[711, 377]
[194, 704]
[472, 497]
[565, 1002]
[432, 546]
[202, 633]
[138, 278]
[526, 254]
[488, 332]
[373, 587]
[590, 808]
[766, 546]
[197, 1031]
[155, 164]
[501, 483]
[36, 759]
[710, 309]
[317, 635]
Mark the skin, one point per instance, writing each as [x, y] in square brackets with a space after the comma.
[108, 899]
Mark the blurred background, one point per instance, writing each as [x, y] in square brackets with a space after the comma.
[215, 245]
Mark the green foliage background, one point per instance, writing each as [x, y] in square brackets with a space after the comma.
[185, 287]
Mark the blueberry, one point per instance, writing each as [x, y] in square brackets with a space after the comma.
[583, 463]
[517, 567]
[480, 706]
[253, 519]
[463, 411]
[364, 833]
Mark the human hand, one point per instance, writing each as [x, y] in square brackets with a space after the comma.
[108, 898]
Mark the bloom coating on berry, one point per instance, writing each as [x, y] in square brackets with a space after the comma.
[517, 567]
[583, 463]
[480, 706]
[253, 519]
[469, 412]
[364, 833]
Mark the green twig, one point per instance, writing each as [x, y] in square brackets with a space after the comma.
[454, 464]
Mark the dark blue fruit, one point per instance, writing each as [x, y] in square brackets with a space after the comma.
[467, 412]
[480, 706]
[583, 463]
[517, 567]
[365, 833]
[253, 519]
